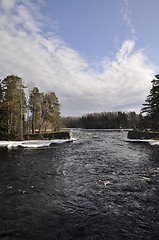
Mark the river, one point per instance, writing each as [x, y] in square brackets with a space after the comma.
[98, 187]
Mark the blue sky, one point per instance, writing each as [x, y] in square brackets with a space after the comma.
[87, 27]
[97, 55]
[97, 28]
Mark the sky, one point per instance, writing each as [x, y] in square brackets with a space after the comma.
[96, 55]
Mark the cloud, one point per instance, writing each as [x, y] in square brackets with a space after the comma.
[125, 50]
[45, 60]
[7, 5]
[127, 18]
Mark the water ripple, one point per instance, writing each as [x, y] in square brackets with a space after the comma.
[99, 187]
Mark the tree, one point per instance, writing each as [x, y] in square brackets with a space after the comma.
[1, 92]
[35, 105]
[134, 119]
[13, 103]
[122, 120]
[151, 107]
[41, 112]
[45, 110]
[50, 111]
[3, 115]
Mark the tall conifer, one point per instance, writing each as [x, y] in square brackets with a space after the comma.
[150, 109]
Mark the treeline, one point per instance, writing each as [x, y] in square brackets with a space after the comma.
[104, 120]
[21, 116]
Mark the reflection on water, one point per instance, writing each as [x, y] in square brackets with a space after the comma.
[99, 187]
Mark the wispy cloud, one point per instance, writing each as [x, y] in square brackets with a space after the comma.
[125, 11]
[46, 61]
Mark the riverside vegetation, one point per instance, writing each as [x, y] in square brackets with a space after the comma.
[150, 115]
[20, 116]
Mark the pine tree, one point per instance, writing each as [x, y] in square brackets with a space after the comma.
[50, 111]
[13, 104]
[35, 105]
[150, 109]
[45, 111]
[3, 115]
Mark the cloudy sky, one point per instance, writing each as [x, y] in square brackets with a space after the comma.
[96, 55]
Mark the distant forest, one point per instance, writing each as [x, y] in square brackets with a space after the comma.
[104, 120]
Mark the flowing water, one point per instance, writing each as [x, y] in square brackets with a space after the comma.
[98, 187]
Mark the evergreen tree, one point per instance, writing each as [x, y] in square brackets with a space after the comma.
[133, 119]
[122, 120]
[3, 115]
[1, 92]
[35, 105]
[151, 107]
[42, 112]
[50, 112]
[13, 104]
[45, 111]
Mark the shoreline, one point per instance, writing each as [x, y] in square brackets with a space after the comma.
[135, 134]
[42, 136]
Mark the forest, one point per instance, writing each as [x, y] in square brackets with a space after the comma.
[104, 120]
[21, 115]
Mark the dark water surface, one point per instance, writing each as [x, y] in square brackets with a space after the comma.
[99, 187]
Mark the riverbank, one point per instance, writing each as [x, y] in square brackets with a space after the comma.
[49, 135]
[62, 134]
[134, 134]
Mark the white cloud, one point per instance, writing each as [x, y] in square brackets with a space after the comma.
[125, 50]
[49, 63]
[127, 18]
[7, 4]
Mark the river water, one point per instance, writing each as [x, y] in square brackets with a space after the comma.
[98, 187]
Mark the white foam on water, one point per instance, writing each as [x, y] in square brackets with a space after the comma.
[59, 141]
[33, 143]
[152, 142]
[4, 143]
